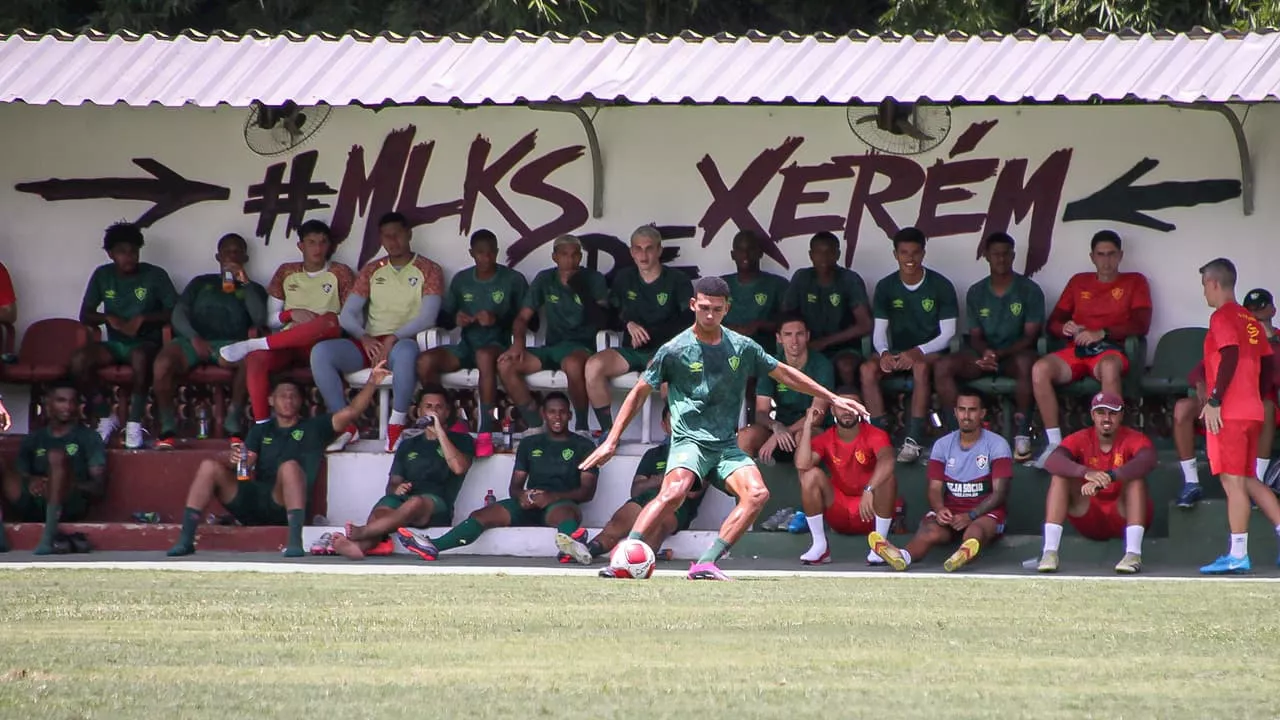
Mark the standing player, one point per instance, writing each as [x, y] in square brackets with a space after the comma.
[706, 369]
[1236, 360]
[1099, 485]
[861, 496]
[969, 473]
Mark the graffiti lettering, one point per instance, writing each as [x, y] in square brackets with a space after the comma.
[271, 198]
[735, 203]
[1012, 200]
[167, 191]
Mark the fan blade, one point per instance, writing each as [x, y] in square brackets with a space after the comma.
[865, 119]
[907, 128]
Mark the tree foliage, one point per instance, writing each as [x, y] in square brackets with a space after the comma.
[633, 16]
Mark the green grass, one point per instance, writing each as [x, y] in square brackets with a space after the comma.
[80, 643]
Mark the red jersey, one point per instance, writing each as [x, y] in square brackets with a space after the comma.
[851, 463]
[7, 296]
[1096, 305]
[1084, 448]
[1233, 326]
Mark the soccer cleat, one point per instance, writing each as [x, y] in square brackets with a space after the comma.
[484, 444]
[181, 549]
[107, 427]
[885, 549]
[575, 546]
[874, 560]
[133, 439]
[823, 559]
[1048, 450]
[798, 525]
[1130, 564]
[778, 519]
[609, 572]
[422, 547]
[382, 549]
[1021, 448]
[1190, 495]
[967, 551]
[393, 436]
[1227, 565]
[344, 438]
[1048, 562]
[323, 545]
[167, 441]
[706, 571]
[910, 451]
[236, 351]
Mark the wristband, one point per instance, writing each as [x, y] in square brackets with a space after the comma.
[869, 490]
[973, 515]
[1213, 402]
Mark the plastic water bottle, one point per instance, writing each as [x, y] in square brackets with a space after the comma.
[242, 467]
[202, 422]
[507, 445]
[490, 499]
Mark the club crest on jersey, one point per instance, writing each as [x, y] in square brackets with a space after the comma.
[734, 362]
[1117, 293]
[296, 435]
[577, 299]
[1016, 309]
[761, 299]
[72, 448]
[981, 462]
[861, 457]
[413, 282]
[927, 304]
[327, 288]
[1117, 459]
[662, 298]
[951, 462]
[140, 293]
[834, 299]
[497, 296]
[567, 454]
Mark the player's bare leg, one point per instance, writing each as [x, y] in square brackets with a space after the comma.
[487, 368]
[1046, 375]
[616, 529]
[600, 370]
[574, 366]
[816, 495]
[921, 394]
[513, 376]
[752, 438]
[214, 478]
[748, 486]
[359, 539]
[1133, 506]
[980, 533]
[435, 362]
[290, 493]
[1186, 412]
[1019, 367]
[1063, 498]
[676, 485]
[872, 396]
[1110, 373]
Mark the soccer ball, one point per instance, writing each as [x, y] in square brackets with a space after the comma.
[633, 559]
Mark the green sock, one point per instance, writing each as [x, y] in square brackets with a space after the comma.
[231, 423]
[568, 527]
[51, 515]
[187, 538]
[486, 420]
[604, 415]
[168, 422]
[294, 547]
[581, 418]
[881, 422]
[531, 416]
[633, 535]
[713, 553]
[915, 429]
[137, 407]
[466, 533]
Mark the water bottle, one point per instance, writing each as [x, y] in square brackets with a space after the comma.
[242, 467]
[202, 422]
[490, 499]
[228, 281]
[507, 445]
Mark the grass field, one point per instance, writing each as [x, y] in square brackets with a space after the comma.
[93, 644]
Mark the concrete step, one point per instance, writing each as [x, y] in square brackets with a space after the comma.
[139, 537]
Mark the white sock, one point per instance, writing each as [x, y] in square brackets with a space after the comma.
[906, 557]
[1239, 545]
[256, 344]
[1053, 435]
[883, 525]
[1133, 538]
[1263, 464]
[818, 529]
[397, 417]
[1052, 537]
[259, 422]
[1189, 473]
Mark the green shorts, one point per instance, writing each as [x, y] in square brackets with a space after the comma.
[530, 518]
[684, 516]
[253, 505]
[551, 356]
[120, 349]
[467, 355]
[712, 465]
[193, 357]
[441, 513]
[637, 360]
[29, 508]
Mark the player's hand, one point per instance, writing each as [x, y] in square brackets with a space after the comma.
[486, 318]
[1212, 417]
[372, 349]
[402, 489]
[601, 455]
[843, 403]
[786, 441]
[38, 486]
[866, 513]
[960, 521]
[235, 453]
[813, 416]
[766, 450]
[463, 320]
[888, 362]
[1071, 328]
[237, 271]
[908, 359]
[300, 316]
[525, 500]
[989, 361]
[379, 373]
[1088, 337]
[202, 347]
[539, 498]
[114, 322]
[944, 516]
[1094, 480]
[6, 421]
[513, 355]
[639, 336]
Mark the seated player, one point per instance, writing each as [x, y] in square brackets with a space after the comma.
[284, 458]
[573, 299]
[1006, 314]
[915, 318]
[61, 469]
[136, 300]
[303, 300]
[210, 314]
[644, 488]
[969, 473]
[547, 490]
[426, 475]
[755, 298]
[1099, 485]
[1096, 313]
[483, 301]
[781, 411]
[861, 494]
[652, 302]
[833, 301]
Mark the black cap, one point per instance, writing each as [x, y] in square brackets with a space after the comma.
[1257, 299]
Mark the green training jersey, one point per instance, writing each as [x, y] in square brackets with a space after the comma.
[791, 405]
[707, 383]
[502, 295]
[760, 299]
[83, 447]
[552, 464]
[149, 290]
[421, 463]
[218, 315]
[566, 316]
[275, 445]
[1003, 318]
[827, 309]
[660, 307]
[914, 316]
[654, 460]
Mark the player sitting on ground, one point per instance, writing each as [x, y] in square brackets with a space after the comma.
[303, 300]
[61, 469]
[547, 490]
[706, 369]
[644, 488]
[1095, 314]
[833, 301]
[137, 299]
[780, 411]
[1238, 363]
[915, 318]
[425, 478]
[969, 473]
[284, 459]
[210, 314]
[1099, 484]
[573, 298]
[861, 495]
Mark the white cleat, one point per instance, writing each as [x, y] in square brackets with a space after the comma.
[133, 437]
[107, 427]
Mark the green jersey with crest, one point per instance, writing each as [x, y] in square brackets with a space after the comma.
[422, 464]
[502, 295]
[565, 316]
[218, 315]
[827, 309]
[791, 405]
[82, 445]
[760, 299]
[275, 445]
[1003, 317]
[149, 290]
[914, 315]
[660, 307]
[551, 464]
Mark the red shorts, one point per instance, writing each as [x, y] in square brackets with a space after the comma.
[1103, 521]
[842, 515]
[998, 515]
[1082, 368]
[1234, 450]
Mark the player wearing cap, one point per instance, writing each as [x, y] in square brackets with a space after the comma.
[1237, 365]
[1099, 485]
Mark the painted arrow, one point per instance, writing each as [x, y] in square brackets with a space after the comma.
[168, 191]
[1122, 201]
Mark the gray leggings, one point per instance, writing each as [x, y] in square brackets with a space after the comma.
[332, 359]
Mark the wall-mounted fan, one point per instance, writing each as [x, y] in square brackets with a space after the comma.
[276, 129]
[901, 128]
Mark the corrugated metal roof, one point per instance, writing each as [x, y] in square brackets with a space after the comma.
[372, 70]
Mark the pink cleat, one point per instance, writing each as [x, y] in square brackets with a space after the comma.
[706, 571]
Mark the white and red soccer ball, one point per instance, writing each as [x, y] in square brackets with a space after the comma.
[633, 559]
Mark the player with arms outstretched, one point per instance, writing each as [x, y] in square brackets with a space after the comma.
[706, 369]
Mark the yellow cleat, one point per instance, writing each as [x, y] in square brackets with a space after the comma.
[890, 554]
[1130, 564]
[968, 550]
[1048, 562]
